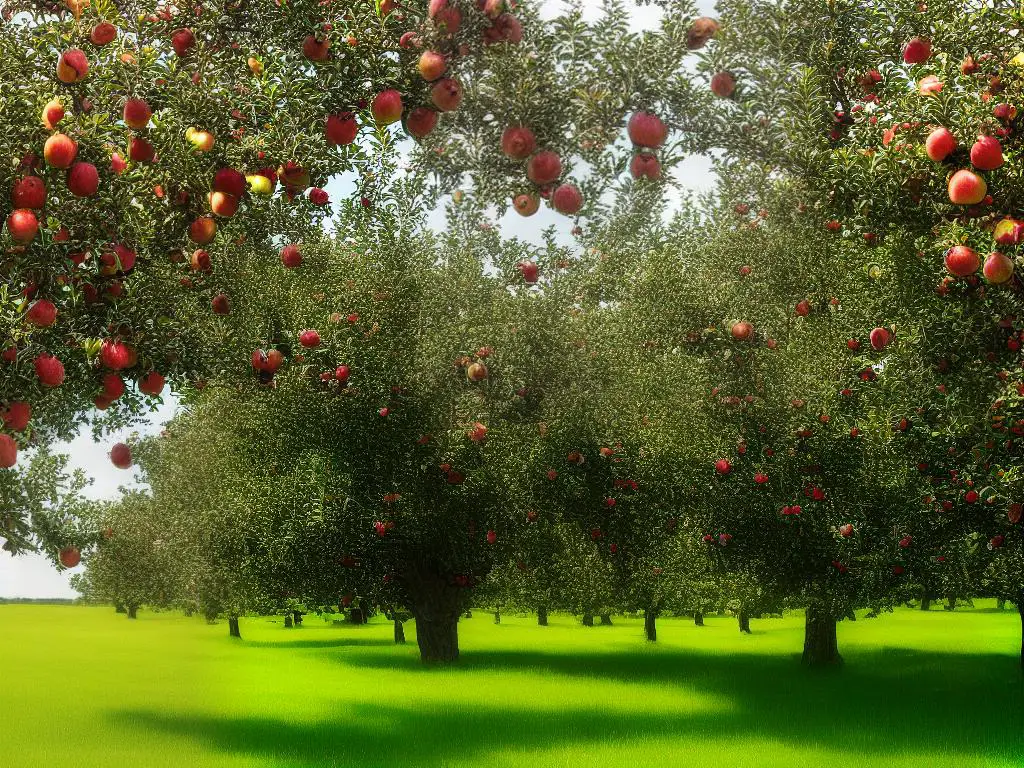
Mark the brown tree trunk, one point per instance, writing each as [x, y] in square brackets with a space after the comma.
[698, 618]
[951, 603]
[399, 633]
[650, 625]
[926, 602]
[497, 615]
[588, 619]
[287, 621]
[821, 648]
[298, 617]
[744, 620]
[542, 616]
[436, 606]
[606, 620]
[233, 630]
[132, 611]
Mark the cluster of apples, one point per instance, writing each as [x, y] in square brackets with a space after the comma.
[543, 168]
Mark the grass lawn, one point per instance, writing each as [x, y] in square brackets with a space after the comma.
[85, 687]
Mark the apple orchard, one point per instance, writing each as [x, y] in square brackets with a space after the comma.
[803, 390]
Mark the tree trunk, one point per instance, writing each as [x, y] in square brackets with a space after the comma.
[436, 606]
[233, 630]
[298, 617]
[287, 621]
[606, 620]
[542, 616]
[132, 609]
[821, 647]
[119, 608]
[1020, 610]
[650, 626]
[926, 602]
[399, 633]
[698, 618]
[951, 603]
[588, 619]
[497, 615]
[744, 620]
[1001, 604]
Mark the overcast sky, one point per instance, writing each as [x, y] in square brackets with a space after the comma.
[33, 576]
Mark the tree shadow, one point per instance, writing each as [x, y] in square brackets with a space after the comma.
[354, 642]
[888, 702]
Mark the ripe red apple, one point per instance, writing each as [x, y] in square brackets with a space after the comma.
[645, 166]
[103, 33]
[446, 94]
[60, 151]
[121, 456]
[115, 355]
[222, 204]
[341, 374]
[202, 230]
[917, 50]
[203, 141]
[701, 30]
[28, 192]
[229, 181]
[49, 370]
[987, 153]
[309, 339]
[491, 537]
[803, 308]
[646, 129]
[113, 386]
[529, 270]
[72, 66]
[1015, 513]
[8, 451]
[83, 180]
[341, 128]
[846, 530]
[880, 338]
[723, 84]
[476, 372]
[137, 114]
[290, 256]
[16, 415]
[387, 106]
[420, 122]
[42, 313]
[447, 18]
[929, 85]
[182, 40]
[140, 150]
[1009, 232]
[431, 65]
[998, 268]
[120, 258]
[962, 261]
[544, 167]
[518, 142]
[567, 199]
[315, 49]
[152, 383]
[526, 204]
[966, 188]
[53, 113]
[118, 164]
[70, 557]
[201, 261]
[221, 305]
[939, 144]
[742, 331]
[723, 466]
[22, 225]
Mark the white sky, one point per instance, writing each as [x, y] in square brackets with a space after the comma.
[33, 576]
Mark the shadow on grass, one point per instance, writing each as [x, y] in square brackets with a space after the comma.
[353, 642]
[891, 702]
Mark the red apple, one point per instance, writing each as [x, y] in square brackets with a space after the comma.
[526, 204]
[222, 204]
[49, 370]
[83, 179]
[341, 128]
[137, 114]
[646, 129]
[446, 94]
[103, 33]
[939, 144]
[966, 188]
[202, 230]
[431, 65]
[152, 383]
[476, 372]
[420, 122]
[998, 268]
[1009, 232]
[723, 466]
[987, 153]
[518, 142]
[121, 456]
[118, 164]
[182, 40]
[742, 331]
[22, 225]
[113, 386]
[917, 50]
[16, 415]
[701, 30]
[341, 374]
[29, 192]
[962, 261]
[880, 338]
[70, 557]
[229, 181]
[53, 113]
[60, 151]
[387, 106]
[221, 305]
[309, 339]
[72, 66]
[201, 261]
[723, 85]
[529, 270]
[203, 141]
[929, 85]
[315, 49]
[544, 167]
[803, 308]
[291, 257]
[42, 313]
[645, 166]
[115, 355]
[567, 199]
[140, 150]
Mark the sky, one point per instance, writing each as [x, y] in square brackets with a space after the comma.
[33, 576]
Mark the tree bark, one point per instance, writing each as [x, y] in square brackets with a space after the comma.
[132, 611]
[287, 621]
[606, 620]
[650, 625]
[744, 620]
[542, 616]
[588, 619]
[233, 630]
[436, 606]
[951, 603]
[399, 633]
[298, 617]
[821, 648]
[698, 618]
[926, 602]
[497, 615]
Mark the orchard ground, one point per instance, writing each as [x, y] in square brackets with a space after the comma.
[87, 687]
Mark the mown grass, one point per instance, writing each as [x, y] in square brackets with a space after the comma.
[85, 687]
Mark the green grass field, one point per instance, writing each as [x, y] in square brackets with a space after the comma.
[84, 687]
